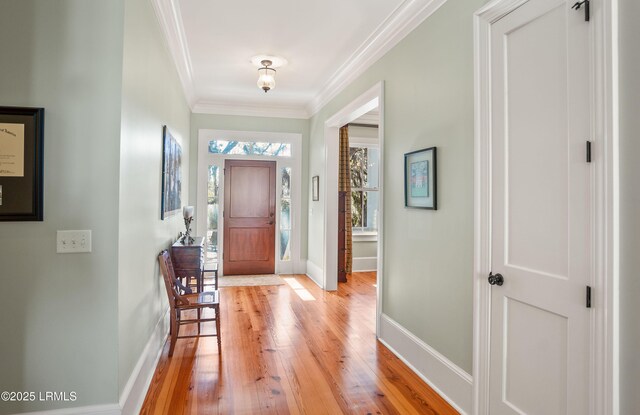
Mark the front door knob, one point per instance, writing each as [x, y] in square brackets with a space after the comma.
[496, 279]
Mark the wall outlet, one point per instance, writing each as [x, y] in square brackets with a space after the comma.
[68, 242]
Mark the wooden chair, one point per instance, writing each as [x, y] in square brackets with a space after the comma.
[179, 301]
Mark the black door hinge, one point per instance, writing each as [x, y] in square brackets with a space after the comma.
[588, 296]
[579, 4]
[588, 151]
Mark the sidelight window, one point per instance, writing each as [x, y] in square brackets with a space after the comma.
[285, 215]
[213, 209]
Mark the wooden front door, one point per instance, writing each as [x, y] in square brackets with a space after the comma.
[249, 217]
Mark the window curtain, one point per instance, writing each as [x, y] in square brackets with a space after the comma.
[345, 186]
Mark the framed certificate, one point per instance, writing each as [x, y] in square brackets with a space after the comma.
[21, 164]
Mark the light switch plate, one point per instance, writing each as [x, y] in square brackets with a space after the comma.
[69, 242]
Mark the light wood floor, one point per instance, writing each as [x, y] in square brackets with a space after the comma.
[284, 355]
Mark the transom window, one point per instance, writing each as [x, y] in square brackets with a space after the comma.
[250, 148]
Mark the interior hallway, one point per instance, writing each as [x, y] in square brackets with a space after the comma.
[293, 349]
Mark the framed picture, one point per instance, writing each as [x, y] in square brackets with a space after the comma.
[315, 188]
[171, 174]
[420, 179]
[21, 164]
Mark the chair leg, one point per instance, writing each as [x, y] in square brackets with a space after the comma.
[217, 311]
[199, 316]
[174, 328]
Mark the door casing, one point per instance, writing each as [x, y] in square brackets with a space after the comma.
[369, 100]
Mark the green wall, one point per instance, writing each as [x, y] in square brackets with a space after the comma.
[428, 255]
[58, 313]
[264, 124]
[152, 96]
[629, 207]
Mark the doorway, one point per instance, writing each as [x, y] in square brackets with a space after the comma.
[369, 101]
[364, 166]
[284, 150]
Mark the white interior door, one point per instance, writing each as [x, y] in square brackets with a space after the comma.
[541, 210]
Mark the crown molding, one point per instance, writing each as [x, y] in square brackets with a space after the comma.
[396, 27]
[220, 108]
[170, 20]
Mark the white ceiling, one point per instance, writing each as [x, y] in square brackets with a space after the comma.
[327, 43]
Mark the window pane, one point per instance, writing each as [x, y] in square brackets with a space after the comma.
[356, 208]
[358, 161]
[212, 213]
[373, 169]
[370, 211]
[285, 214]
[249, 148]
[286, 182]
[285, 246]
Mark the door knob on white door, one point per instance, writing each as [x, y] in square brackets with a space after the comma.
[496, 279]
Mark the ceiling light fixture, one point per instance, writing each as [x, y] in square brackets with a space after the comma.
[267, 78]
[266, 70]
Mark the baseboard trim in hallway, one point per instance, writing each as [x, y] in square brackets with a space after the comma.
[137, 386]
[446, 378]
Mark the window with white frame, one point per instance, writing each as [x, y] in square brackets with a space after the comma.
[365, 172]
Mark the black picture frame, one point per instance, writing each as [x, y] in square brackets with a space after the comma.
[21, 164]
[421, 179]
[171, 175]
[315, 188]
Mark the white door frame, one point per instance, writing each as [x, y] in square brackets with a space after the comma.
[205, 159]
[604, 362]
[371, 99]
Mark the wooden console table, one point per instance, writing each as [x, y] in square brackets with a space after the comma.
[188, 261]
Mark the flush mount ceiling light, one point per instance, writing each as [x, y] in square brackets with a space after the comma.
[266, 71]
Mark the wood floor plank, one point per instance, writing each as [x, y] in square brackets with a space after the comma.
[291, 349]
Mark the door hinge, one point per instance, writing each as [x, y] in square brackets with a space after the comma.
[579, 4]
[588, 296]
[588, 151]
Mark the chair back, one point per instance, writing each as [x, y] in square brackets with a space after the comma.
[170, 281]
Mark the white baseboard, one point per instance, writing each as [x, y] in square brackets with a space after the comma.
[136, 388]
[315, 273]
[450, 381]
[111, 409]
[365, 264]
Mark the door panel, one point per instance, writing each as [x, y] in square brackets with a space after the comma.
[535, 334]
[247, 244]
[249, 217]
[541, 235]
[251, 198]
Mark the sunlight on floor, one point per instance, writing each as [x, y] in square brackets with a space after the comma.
[299, 289]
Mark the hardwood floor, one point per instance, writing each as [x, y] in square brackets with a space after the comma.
[291, 349]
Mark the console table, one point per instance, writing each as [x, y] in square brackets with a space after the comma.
[188, 261]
